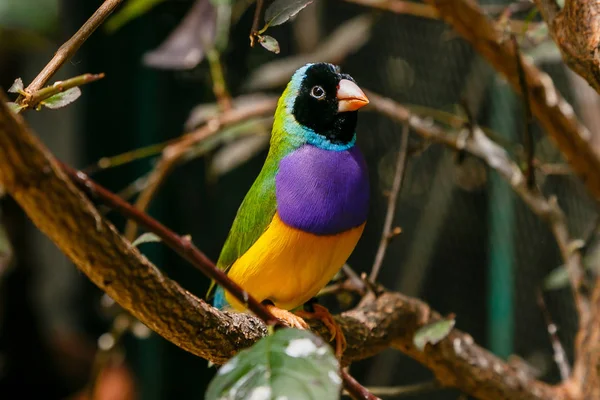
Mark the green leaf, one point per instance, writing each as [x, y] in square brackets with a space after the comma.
[17, 86]
[14, 106]
[558, 278]
[269, 43]
[147, 237]
[282, 10]
[433, 333]
[62, 99]
[131, 10]
[291, 363]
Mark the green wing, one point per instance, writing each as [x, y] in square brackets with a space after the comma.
[252, 219]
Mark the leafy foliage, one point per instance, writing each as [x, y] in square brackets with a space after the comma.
[291, 363]
[282, 10]
[433, 333]
[62, 99]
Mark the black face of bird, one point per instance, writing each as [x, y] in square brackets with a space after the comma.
[327, 102]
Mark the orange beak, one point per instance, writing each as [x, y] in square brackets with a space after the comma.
[350, 97]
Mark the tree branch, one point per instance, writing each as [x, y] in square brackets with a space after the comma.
[554, 114]
[32, 100]
[578, 22]
[576, 31]
[415, 9]
[31, 175]
[479, 145]
[388, 233]
[256, 21]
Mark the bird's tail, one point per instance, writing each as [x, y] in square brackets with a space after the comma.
[219, 300]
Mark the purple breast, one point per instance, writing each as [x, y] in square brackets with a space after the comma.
[323, 192]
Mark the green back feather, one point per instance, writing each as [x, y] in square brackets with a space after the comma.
[259, 205]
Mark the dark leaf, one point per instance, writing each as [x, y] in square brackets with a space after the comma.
[131, 10]
[291, 363]
[433, 333]
[147, 237]
[62, 99]
[282, 10]
[17, 86]
[186, 46]
[269, 43]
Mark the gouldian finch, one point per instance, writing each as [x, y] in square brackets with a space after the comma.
[306, 211]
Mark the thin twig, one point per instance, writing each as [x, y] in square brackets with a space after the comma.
[127, 157]
[387, 234]
[185, 248]
[31, 100]
[551, 110]
[33, 178]
[560, 356]
[479, 145]
[256, 22]
[218, 80]
[355, 389]
[527, 133]
[407, 390]
[70, 47]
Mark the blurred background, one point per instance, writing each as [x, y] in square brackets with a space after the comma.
[468, 245]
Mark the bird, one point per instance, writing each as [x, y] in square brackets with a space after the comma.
[307, 209]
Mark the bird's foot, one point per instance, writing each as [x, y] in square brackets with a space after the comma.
[291, 319]
[322, 314]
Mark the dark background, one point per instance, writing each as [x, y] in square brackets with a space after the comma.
[468, 245]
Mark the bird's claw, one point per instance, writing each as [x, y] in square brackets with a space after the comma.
[322, 314]
[291, 319]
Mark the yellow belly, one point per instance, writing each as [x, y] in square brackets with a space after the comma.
[288, 266]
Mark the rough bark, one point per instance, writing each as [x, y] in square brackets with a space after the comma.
[576, 31]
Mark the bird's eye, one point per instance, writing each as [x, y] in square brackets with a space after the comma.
[317, 92]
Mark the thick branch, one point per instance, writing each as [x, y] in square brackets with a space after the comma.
[576, 31]
[34, 179]
[554, 114]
